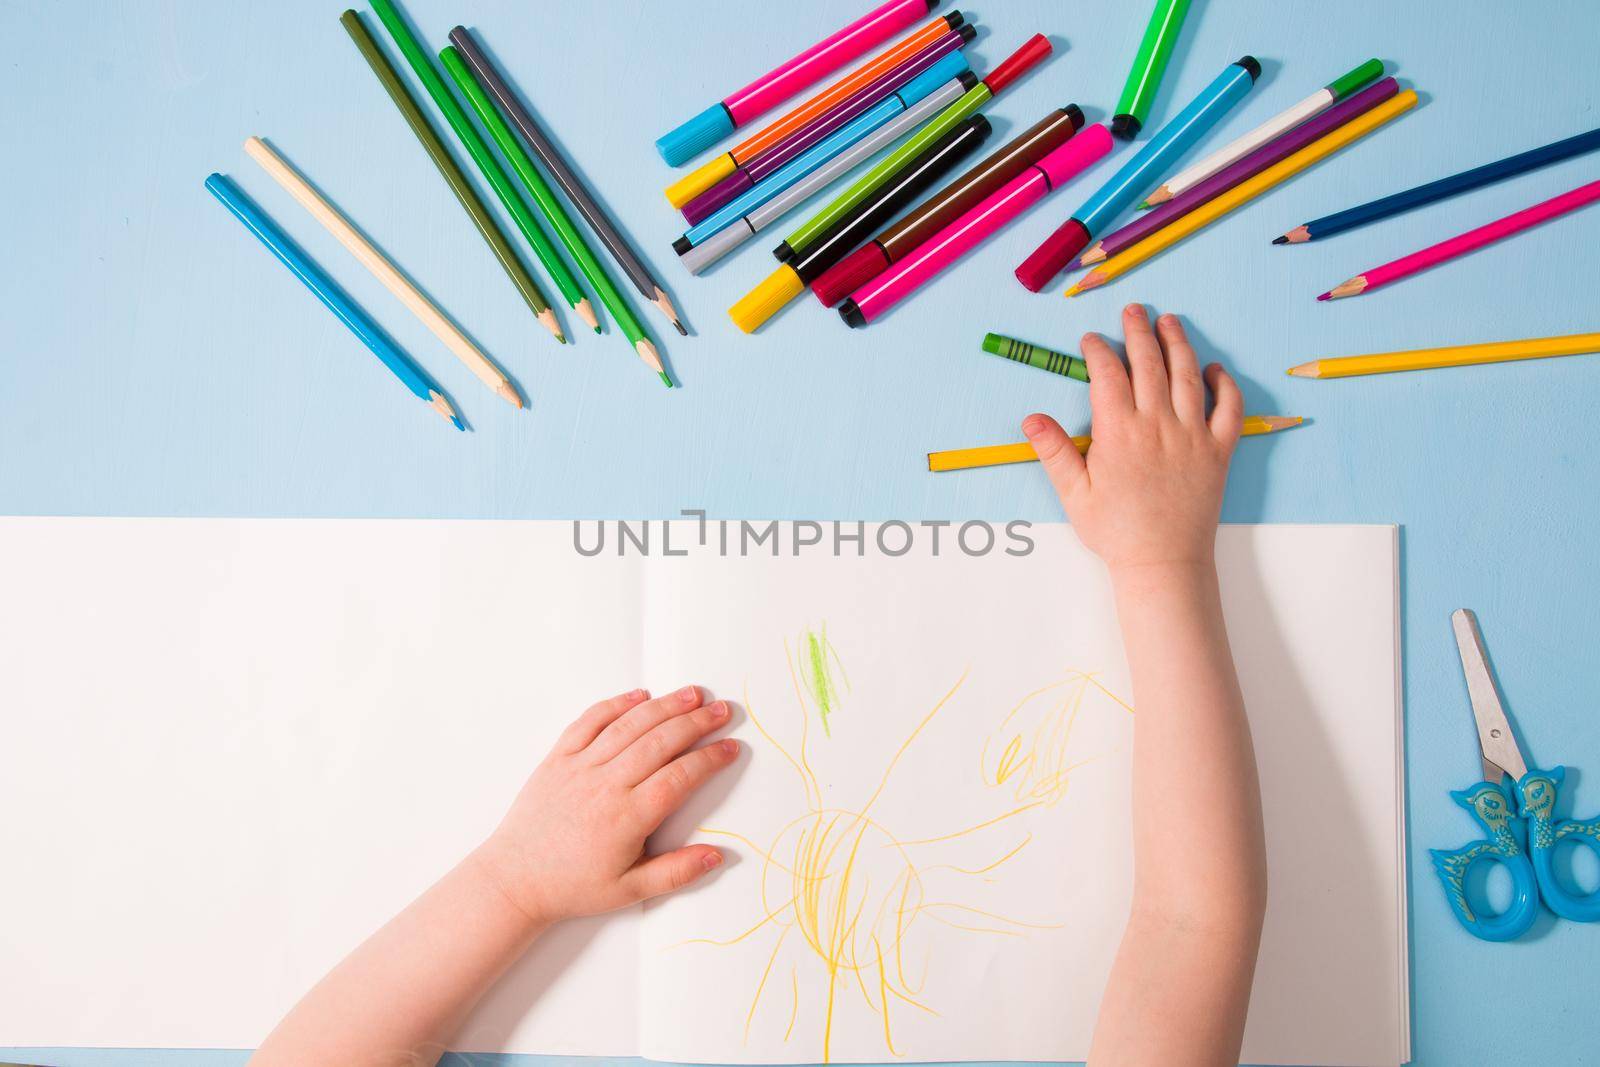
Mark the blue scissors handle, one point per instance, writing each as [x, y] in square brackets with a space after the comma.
[1491, 805]
[1536, 792]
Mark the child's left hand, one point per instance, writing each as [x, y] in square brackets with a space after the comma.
[573, 842]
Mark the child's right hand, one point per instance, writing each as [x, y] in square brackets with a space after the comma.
[573, 842]
[1149, 493]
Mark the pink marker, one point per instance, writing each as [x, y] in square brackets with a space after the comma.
[776, 86]
[929, 259]
[1462, 243]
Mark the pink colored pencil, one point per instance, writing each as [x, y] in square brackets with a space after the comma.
[925, 262]
[777, 85]
[1470, 241]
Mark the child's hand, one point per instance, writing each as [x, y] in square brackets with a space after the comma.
[573, 842]
[1150, 490]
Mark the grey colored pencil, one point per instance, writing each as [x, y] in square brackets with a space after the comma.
[737, 233]
[556, 163]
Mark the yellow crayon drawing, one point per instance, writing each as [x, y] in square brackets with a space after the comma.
[853, 908]
[1027, 752]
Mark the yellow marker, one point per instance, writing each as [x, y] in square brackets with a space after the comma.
[961, 459]
[1244, 192]
[699, 180]
[1455, 356]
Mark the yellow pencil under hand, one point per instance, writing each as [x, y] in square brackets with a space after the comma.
[1454, 356]
[1212, 210]
[382, 268]
[961, 459]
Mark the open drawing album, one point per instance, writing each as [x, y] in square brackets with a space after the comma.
[237, 746]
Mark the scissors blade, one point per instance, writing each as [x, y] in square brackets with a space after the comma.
[1496, 745]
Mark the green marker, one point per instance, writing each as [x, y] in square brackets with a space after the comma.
[1148, 67]
[1036, 356]
[492, 171]
[1035, 49]
[551, 208]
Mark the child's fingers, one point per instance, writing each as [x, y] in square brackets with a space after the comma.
[1146, 367]
[667, 740]
[1183, 371]
[1110, 396]
[583, 730]
[670, 871]
[664, 792]
[638, 721]
[1228, 414]
[1057, 454]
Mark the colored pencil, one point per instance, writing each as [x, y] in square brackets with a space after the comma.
[771, 159]
[333, 298]
[1149, 64]
[947, 205]
[961, 459]
[382, 268]
[745, 105]
[1164, 149]
[1452, 356]
[726, 240]
[923, 85]
[708, 174]
[601, 223]
[1046, 359]
[550, 207]
[1461, 244]
[1035, 49]
[1281, 123]
[791, 278]
[1433, 191]
[875, 298]
[1212, 210]
[450, 171]
[481, 154]
[1282, 148]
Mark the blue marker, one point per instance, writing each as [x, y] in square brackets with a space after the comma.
[327, 291]
[1139, 174]
[946, 69]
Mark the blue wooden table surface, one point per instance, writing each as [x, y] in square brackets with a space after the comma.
[156, 362]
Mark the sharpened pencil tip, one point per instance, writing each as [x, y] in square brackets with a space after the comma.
[683, 331]
[1305, 370]
[1072, 291]
[1326, 296]
[585, 311]
[1282, 240]
[665, 380]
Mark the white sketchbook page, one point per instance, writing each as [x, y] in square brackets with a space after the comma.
[1311, 614]
[234, 748]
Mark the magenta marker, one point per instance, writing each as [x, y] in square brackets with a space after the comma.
[928, 260]
[776, 86]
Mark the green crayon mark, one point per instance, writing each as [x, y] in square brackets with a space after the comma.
[819, 660]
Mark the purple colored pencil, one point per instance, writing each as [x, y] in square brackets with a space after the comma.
[769, 160]
[1279, 148]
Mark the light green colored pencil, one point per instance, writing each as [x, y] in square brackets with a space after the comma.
[419, 62]
[554, 214]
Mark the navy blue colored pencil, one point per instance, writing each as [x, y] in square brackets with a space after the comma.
[327, 291]
[1466, 181]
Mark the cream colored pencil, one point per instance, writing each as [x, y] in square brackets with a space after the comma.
[382, 268]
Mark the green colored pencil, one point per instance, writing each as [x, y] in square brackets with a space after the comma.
[1036, 356]
[556, 215]
[390, 16]
[451, 172]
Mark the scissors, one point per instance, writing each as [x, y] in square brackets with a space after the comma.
[1509, 789]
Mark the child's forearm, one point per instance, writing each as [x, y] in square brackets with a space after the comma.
[397, 999]
[1196, 804]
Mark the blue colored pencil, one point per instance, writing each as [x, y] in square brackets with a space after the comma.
[327, 291]
[1464, 182]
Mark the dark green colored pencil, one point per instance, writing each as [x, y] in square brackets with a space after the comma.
[1036, 356]
[451, 172]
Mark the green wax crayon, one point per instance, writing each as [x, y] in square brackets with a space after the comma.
[1036, 356]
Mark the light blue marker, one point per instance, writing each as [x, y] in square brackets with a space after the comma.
[947, 68]
[328, 291]
[1154, 160]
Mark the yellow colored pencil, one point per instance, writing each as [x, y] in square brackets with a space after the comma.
[961, 459]
[1244, 192]
[1572, 344]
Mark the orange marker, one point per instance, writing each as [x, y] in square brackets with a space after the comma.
[704, 177]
